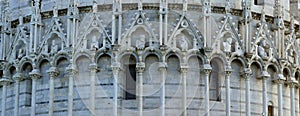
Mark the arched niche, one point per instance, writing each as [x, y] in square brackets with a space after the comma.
[227, 42]
[297, 76]
[173, 85]
[151, 82]
[44, 66]
[53, 44]
[193, 83]
[215, 79]
[286, 73]
[26, 68]
[184, 40]
[104, 75]
[92, 40]
[61, 65]
[83, 76]
[128, 77]
[12, 71]
[139, 38]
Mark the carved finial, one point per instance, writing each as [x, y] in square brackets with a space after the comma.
[140, 5]
[55, 11]
[20, 20]
[263, 15]
[185, 5]
[227, 7]
[292, 22]
[95, 6]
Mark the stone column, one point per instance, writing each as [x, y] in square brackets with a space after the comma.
[207, 69]
[163, 71]
[265, 75]
[247, 77]
[53, 73]
[227, 81]
[71, 72]
[184, 70]
[35, 74]
[93, 69]
[140, 70]
[292, 84]
[280, 80]
[4, 82]
[116, 69]
[17, 77]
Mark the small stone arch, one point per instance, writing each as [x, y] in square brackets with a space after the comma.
[42, 59]
[12, 70]
[287, 73]
[156, 53]
[242, 60]
[125, 54]
[98, 56]
[60, 56]
[199, 56]
[82, 54]
[221, 57]
[176, 53]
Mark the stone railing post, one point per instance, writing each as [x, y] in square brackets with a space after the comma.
[116, 68]
[53, 73]
[227, 81]
[71, 72]
[163, 71]
[247, 75]
[265, 75]
[140, 70]
[34, 74]
[17, 77]
[4, 82]
[280, 81]
[184, 71]
[93, 71]
[292, 83]
[207, 69]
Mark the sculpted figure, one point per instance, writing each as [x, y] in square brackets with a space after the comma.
[183, 44]
[21, 53]
[262, 50]
[54, 47]
[291, 55]
[227, 45]
[140, 43]
[95, 43]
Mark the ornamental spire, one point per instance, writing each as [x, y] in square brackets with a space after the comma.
[227, 7]
[140, 5]
[95, 6]
[55, 11]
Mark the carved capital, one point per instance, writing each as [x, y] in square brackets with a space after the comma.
[35, 74]
[184, 69]
[140, 67]
[53, 72]
[5, 81]
[207, 68]
[71, 70]
[93, 67]
[279, 79]
[163, 66]
[247, 74]
[18, 77]
[264, 75]
[292, 82]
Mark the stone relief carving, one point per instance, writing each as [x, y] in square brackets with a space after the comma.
[140, 43]
[263, 48]
[54, 47]
[182, 43]
[95, 43]
[227, 45]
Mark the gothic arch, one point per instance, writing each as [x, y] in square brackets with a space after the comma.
[157, 53]
[58, 56]
[82, 54]
[221, 57]
[176, 53]
[242, 60]
[98, 56]
[124, 54]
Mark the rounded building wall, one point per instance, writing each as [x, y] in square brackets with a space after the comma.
[127, 58]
